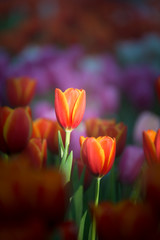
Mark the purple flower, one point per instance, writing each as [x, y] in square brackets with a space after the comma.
[74, 144]
[130, 164]
[146, 120]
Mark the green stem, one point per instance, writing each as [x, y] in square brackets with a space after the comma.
[67, 142]
[96, 203]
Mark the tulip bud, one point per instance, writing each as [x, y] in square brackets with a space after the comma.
[15, 129]
[98, 154]
[20, 91]
[69, 107]
[48, 129]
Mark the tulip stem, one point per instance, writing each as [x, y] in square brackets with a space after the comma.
[96, 203]
[67, 142]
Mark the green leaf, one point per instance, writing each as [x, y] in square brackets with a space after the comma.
[78, 203]
[60, 145]
[81, 228]
[66, 167]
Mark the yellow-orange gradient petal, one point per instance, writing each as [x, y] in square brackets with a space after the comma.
[79, 109]
[109, 146]
[81, 140]
[157, 145]
[17, 129]
[93, 156]
[149, 146]
[61, 108]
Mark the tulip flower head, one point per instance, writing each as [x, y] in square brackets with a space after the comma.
[15, 128]
[151, 146]
[98, 154]
[96, 127]
[70, 107]
[20, 91]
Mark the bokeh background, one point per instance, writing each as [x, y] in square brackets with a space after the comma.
[109, 48]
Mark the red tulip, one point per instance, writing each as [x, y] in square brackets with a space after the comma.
[125, 220]
[15, 129]
[151, 146]
[70, 107]
[98, 154]
[151, 184]
[48, 129]
[20, 91]
[67, 231]
[34, 155]
[99, 127]
[27, 192]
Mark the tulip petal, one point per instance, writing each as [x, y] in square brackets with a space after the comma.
[17, 129]
[81, 140]
[61, 108]
[149, 146]
[109, 146]
[79, 109]
[71, 95]
[93, 156]
[28, 88]
[14, 93]
[157, 145]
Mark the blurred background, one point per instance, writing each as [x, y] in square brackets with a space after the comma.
[109, 48]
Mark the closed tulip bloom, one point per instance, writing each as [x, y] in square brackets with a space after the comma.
[48, 129]
[125, 220]
[35, 154]
[20, 91]
[15, 129]
[96, 127]
[98, 154]
[151, 146]
[70, 107]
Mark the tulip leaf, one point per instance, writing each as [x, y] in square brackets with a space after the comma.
[60, 145]
[81, 228]
[68, 166]
[78, 203]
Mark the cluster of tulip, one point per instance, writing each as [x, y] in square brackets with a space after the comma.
[47, 194]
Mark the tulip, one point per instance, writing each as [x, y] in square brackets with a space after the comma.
[98, 154]
[27, 192]
[130, 164]
[20, 91]
[70, 107]
[34, 155]
[15, 128]
[146, 120]
[125, 220]
[100, 127]
[151, 146]
[67, 231]
[48, 129]
[151, 187]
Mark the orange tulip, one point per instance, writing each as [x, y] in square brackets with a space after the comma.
[151, 187]
[15, 128]
[27, 192]
[20, 91]
[98, 154]
[125, 220]
[70, 107]
[151, 146]
[48, 129]
[99, 127]
[34, 155]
